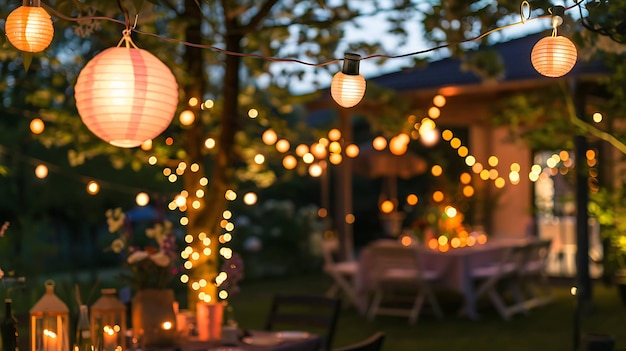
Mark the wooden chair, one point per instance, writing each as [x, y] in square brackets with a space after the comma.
[372, 343]
[397, 272]
[316, 314]
[343, 273]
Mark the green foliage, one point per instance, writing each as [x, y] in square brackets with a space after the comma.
[609, 209]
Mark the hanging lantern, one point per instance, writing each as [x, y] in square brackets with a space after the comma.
[554, 56]
[125, 95]
[348, 86]
[49, 322]
[108, 321]
[29, 27]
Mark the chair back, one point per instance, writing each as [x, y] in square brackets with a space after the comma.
[537, 254]
[390, 257]
[316, 314]
[330, 247]
[373, 343]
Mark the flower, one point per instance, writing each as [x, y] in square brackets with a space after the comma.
[150, 258]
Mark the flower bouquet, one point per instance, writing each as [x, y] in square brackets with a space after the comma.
[150, 259]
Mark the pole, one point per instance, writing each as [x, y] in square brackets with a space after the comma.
[583, 281]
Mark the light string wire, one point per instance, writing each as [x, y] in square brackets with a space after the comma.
[33, 161]
[524, 7]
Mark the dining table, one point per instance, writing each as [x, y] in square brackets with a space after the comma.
[255, 340]
[454, 267]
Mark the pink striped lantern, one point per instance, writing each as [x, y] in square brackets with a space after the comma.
[125, 95]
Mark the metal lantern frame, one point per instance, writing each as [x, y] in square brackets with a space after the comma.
[49, 322]
[108, 321]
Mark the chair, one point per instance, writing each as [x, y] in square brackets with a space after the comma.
[373, 343]
[316, 314]
[532, 274]
[397, 270]
[504, 271]
[343, 273]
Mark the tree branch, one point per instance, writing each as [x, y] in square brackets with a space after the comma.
[263, 11]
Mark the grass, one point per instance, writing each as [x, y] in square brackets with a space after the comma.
[549, 327]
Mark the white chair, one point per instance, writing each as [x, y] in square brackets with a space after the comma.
[502, 272]
[396, 270]
[532, 274]
[343, 273]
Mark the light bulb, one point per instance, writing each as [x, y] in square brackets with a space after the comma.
[348, 86]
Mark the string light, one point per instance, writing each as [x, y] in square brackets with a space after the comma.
[348, 86]
[554, 56]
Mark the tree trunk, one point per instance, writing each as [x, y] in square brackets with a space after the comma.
[206, 219]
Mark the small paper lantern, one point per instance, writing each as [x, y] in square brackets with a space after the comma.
[49, 322]
[553, 56]
[29, 28]
[108, 321]
[125, 95]
[348, 86]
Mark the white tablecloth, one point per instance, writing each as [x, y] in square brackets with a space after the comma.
[454, 268]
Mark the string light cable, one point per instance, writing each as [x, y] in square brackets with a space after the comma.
[524, 7]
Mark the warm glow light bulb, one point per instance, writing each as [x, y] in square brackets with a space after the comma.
[41, 171]
[142, 199]
[187, 117]
[348, 86]
[269, 137]
[37, 126]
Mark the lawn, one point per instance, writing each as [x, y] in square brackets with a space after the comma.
[546, 328]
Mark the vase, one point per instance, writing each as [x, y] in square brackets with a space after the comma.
[209, 320]
[153, 317]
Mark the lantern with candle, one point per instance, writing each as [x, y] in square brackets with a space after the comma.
[108, 321]
[49, 322]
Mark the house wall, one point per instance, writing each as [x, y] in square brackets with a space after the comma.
[506, 211]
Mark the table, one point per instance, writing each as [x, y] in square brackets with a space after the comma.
[310, 342]
[454, 268]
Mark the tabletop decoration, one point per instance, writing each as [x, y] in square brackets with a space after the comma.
[49, 322]
[150, 261]
[108, 321]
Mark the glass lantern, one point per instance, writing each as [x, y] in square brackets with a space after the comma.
[108, 321]
[49, 322]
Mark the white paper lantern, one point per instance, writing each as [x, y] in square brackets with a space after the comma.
[348, 86]
[554, 56]
[125, 96]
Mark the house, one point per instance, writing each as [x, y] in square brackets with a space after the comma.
[469, 98]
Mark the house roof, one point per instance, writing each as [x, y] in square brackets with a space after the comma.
[518, 73]
[515, 56]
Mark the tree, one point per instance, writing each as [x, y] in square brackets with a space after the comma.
[309, 30]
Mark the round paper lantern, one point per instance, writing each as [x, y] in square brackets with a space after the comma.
[348, 86]
[29, 28]
[553, 56]
[126, 96]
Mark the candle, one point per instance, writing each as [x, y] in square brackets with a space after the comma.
[50, 342]
[110, 338]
